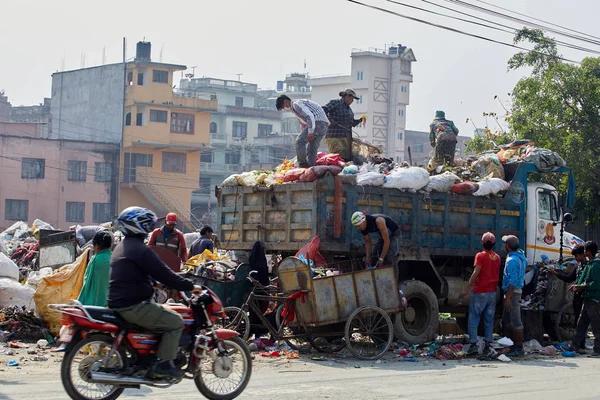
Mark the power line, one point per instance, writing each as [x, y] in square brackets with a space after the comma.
[458, 31]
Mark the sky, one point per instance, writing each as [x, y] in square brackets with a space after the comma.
[266, 39]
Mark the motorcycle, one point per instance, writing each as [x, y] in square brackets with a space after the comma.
[106, 354]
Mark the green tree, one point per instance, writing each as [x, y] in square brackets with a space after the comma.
[558, 107]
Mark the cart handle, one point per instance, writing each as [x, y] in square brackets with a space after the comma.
[269, 288]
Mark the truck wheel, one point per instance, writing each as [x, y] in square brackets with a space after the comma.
[419, 322]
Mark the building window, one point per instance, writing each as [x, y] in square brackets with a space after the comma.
[16, 210]
[182, 123]
[130, 78]
[205, 184]
[77, 171]
[103, 172]
[206, 156]
[359, 100]
[239, 102]
[140, 78]
[75, 211]
[173, 162]
[265, 130]
[232, 158]
[240, 129]
[213, 127]
[131, 162]
[101, 213]
[159, 76]
[400, 135]
[401, 113]
[418, 148]
[404, 89]
[359, 76]
[128, 119]
[139, 119]
[33, 168]
[158, 116]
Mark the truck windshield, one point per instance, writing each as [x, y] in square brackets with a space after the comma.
[547, 206]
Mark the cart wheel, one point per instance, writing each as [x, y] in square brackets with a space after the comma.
[566, 323]
[298, 344]
[327, 344]
[369, 333]
[236, 320]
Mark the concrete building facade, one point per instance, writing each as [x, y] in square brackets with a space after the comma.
[62, 182]
[421, 150]
[37, 114]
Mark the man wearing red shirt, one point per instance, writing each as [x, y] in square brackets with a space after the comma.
[484, 282]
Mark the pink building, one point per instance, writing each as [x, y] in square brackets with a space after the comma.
[62, 182]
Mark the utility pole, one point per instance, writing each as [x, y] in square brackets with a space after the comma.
[239, 77]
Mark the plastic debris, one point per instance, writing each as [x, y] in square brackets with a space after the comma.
[532, 346]
[566, 353]
[12, 363]
[42, 343]
[550, 351]
[506, 342]
[271, 354]
[504, 358]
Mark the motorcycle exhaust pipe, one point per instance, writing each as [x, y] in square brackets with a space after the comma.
[122, 380]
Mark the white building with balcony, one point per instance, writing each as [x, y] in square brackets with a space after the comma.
[381, 78]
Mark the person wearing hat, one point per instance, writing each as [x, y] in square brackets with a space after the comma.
[484, 281]
[442, 135]
[314, 124]
[387, 247]
[341, 118]
[169, 237]
[512, 285]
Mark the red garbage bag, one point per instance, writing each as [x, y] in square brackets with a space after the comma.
[331, 159]
[293, 174]
[465, 188]
[314, 173]
[310, 252]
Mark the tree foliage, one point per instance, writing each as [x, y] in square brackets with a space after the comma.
[558, 107]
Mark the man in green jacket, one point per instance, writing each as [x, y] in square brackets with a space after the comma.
[95, 282]
[589, 286]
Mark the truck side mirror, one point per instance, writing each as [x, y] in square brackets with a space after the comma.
[568, 217]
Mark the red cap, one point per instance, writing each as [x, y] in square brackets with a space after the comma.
[171, 219]
[488, 237]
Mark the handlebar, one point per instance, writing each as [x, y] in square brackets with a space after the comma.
[257, 284]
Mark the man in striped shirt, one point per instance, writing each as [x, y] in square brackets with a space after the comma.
[314, 125]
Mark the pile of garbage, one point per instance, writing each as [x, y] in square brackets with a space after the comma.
[19, 323]
[20, 243]
[486, 174]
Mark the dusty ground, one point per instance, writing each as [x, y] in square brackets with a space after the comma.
[347, 378]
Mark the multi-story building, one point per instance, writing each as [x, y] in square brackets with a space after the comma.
[245, 134]
[5, 107]
[421, 150]
[161, 133]
[381, 78]
[60, 181]
[38, 114]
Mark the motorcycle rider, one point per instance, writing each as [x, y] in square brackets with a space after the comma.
[134, 267]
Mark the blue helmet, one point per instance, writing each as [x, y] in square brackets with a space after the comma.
[136, 221]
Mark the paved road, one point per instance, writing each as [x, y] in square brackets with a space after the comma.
[307, 379]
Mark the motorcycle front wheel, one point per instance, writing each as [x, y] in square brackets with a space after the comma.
[87, 356]
[224, 377]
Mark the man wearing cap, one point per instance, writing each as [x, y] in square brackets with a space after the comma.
[170, 237]
[341, 118]
[512, 285]
[442, 135]
[387, 248]
[484, 282]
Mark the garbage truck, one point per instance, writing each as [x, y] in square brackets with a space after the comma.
[441, 232]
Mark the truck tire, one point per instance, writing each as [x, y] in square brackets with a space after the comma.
[419, 323]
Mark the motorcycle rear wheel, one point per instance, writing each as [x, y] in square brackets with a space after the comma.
[215, 373]
[89, 353]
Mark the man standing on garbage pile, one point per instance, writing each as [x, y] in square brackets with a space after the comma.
[442, 135]
[589, 286]
[387, 247]
[204, 242]
[512, 285]
[314, 124]
[572, 274]
[170, 237]
[95, 282]
[484, 282]
[341, 122]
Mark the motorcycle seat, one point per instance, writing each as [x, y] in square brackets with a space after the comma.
[111, 316]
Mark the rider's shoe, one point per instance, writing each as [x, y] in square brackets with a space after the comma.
[165, 369]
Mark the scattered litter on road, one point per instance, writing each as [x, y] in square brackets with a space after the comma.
[504, 358]
[12, 363]
[17, 345]
[319, 358]
[271, 354]
[7, 352]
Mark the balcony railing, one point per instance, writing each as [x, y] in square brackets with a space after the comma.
[219, 168]
[218, 136]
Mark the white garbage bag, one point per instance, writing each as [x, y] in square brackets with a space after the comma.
[413, 178]
[35, 277]
[491, 186]
[12, 293]
[3, 248]
[16, 231]
[8, 269]
[231, 181]
[370, 179]
[441, 183]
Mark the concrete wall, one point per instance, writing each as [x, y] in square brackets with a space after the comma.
[48, 196]
[87, 104]
[21, 129]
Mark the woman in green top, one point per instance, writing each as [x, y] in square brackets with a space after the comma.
[95, 282]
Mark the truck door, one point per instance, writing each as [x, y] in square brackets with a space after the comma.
[547, 234]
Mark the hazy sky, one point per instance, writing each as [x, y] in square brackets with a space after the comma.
[266, 39]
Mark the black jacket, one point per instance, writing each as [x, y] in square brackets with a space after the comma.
[133, 266]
